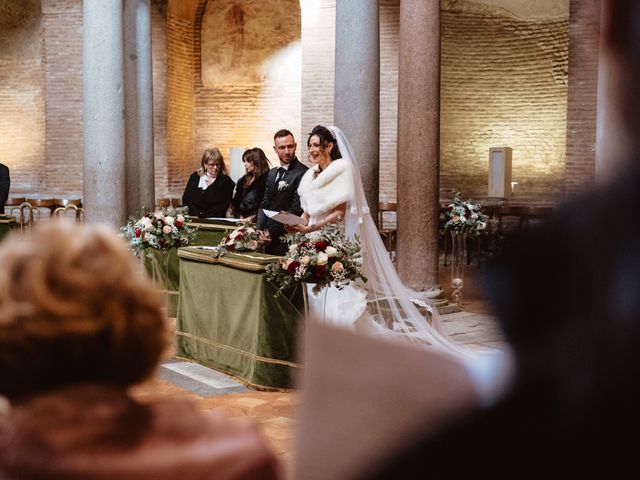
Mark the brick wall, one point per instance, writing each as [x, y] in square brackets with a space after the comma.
[22, 126]
[318, 70]
[62, 21]
[244, 104]
[503, 83]
[389, 27]
[180, 82]
[584, 31]
[159, 54]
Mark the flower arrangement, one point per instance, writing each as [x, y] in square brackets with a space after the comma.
[463, 216]
[243, 239]
[161, 229]
[325, 258]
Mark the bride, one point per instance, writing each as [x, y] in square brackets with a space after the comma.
[332, 192]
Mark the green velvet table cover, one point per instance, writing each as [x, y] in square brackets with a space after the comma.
[229, 320]
[209, 233]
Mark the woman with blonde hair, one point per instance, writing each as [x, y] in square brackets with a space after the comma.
[209, 189]
[80, 325]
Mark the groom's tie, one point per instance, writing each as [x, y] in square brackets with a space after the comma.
[280, 173]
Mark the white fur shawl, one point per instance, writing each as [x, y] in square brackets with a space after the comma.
[332, 186]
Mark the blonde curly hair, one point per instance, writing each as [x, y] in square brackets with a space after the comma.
[75, 308]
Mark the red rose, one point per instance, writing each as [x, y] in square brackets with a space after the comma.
[239, 237]
[320, 269]
[161, 243]
[138, 232]
[178, 223]
[321, 245]
[231, 248]
[292, 267]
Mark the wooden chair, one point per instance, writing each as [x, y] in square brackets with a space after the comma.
[536, 216]
[388, 234]
[78, 212]
[24, 215]
[516, 214]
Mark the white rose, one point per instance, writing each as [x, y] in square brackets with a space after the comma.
[293, 247]
[180, 218]
[158, 214]
[233, 234]
[252, 245]
[168, 220]
[305, 260]
[322, 259]
[149, 227]
[331, 251]
[250, 230]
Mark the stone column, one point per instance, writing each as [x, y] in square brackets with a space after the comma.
[103, 110]
[357, 87]
[418, 142]
[138, 75]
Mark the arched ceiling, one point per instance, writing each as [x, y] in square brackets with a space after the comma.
[184, 9]
[533, 9]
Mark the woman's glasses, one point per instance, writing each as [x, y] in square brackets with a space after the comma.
[213, 165]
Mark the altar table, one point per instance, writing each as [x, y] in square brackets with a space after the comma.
[209, 233]
[229, 320]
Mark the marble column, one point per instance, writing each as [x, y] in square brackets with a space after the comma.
[103, 110]
[357, 87]
[611, 139]
[138, 75]
[418, 142]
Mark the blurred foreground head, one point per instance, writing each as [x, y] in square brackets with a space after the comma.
[74, 308]
[622, 41]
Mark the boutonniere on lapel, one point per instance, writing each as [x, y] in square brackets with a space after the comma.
[282, 185]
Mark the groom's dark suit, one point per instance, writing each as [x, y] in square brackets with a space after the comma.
[283, 198]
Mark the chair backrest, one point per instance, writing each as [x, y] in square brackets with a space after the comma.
[78, 212]
[24, 215]
[385, 207]
[519, 213]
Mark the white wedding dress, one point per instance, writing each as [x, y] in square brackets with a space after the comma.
[382, 305]
[320, 193]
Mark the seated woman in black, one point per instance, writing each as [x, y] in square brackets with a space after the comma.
[251, 186]
[209, 189]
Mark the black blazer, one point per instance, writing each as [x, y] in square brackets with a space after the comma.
[5, 182]
[285, 199]
[212, 202]
[247, 200]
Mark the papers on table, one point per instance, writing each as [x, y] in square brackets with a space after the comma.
[285, 218]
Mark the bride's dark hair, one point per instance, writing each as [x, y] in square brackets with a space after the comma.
[325, 136]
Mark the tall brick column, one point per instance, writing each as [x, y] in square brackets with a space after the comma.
[139, 105]
[357, 87]
[104, 126]
[418, 143]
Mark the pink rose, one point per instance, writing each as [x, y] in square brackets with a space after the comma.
[166, 229]
[337, 267]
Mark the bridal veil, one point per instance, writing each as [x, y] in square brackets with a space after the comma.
[390, 308]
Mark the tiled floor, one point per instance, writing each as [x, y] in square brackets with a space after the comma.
[274, 411]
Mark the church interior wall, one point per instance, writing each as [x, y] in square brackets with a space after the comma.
[22, 102]
[503, 82]
[248, 75]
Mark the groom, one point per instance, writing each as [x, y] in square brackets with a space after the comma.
[281, 193]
